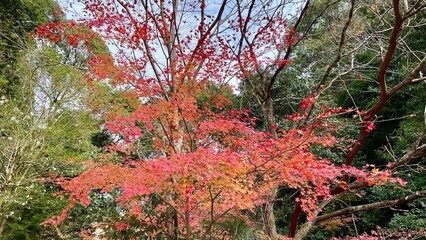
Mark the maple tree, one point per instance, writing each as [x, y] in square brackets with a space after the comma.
[207, 162]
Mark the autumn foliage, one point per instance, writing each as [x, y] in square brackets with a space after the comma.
[207, 162]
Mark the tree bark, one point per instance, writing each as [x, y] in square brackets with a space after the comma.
[294, 220]
[187, 226]
[2, 225]
[268, 216]
[304, 230]
[268, 116]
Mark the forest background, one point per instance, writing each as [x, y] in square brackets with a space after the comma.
[122, 123]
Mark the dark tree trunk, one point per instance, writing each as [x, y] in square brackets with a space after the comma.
[268, 216]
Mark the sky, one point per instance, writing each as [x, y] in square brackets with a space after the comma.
[74, 10]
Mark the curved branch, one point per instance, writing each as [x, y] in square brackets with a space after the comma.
[410, 78]
[365, 132]
[372, 206]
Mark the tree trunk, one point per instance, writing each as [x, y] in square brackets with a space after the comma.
[187, 226]
[294, 220]
[268, 116]
[268, 216]
[304, 230]
[2, 225]
[268, 220]
[175, 225]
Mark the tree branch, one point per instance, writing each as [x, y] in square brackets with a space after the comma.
[372, 206]
[289, 48]
[410, 78]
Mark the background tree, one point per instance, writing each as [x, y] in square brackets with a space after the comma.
[44, 119]
[18, 19]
